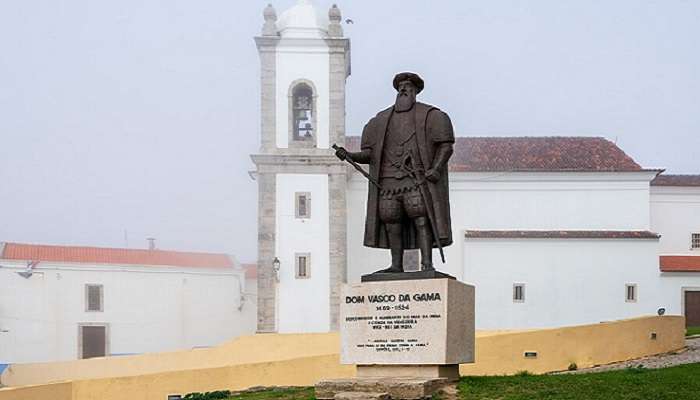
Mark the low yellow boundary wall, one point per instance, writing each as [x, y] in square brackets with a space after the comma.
[302, 360]
[585, 345]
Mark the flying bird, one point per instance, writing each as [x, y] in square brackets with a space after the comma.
[349, 21]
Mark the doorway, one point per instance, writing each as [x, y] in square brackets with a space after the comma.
[692, 308]
[92, 340]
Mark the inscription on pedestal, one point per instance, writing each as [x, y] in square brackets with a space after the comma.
[407, 322]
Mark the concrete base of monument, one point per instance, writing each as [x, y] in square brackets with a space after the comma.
[407, 333]
[379, 388]
[449, 372]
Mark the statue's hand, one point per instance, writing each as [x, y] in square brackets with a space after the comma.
[342, 153]
[432, 175]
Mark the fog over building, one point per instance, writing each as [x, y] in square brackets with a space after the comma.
[552, 231]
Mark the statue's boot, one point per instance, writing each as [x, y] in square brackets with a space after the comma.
[425, 243]
[394, 235]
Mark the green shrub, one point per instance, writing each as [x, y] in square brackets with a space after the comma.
[572, 367]
[215, 395]
[636, 369]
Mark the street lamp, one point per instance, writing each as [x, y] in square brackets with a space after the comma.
[276, 268]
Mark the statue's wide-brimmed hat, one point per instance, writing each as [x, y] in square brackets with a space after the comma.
[409, 76]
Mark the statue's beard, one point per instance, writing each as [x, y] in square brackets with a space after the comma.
[404, 102]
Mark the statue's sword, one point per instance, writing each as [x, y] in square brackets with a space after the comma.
[360, 170]
[418, 177]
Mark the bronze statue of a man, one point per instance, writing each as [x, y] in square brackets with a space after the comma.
[407, 147]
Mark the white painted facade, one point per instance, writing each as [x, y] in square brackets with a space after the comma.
[145, 308]
[567, 281]
[303, 304]
[675, 214]
[516, 201]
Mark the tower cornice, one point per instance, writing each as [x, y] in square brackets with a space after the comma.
[298, 164]
[266, 43]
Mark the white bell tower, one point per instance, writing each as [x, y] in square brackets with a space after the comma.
[304, 62]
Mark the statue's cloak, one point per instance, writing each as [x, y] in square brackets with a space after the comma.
[433, 127]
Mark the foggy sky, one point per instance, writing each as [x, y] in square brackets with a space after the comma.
[128, 119]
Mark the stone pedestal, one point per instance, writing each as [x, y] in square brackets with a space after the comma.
[449, 372]
[409, 322]
[411, 330]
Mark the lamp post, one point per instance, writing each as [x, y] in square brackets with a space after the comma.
[276, 268]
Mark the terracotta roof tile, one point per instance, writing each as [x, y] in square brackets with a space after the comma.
[676, 180]
[530, 234]
[500, 154]
[251, 271]
[679, 263]
[101, 255]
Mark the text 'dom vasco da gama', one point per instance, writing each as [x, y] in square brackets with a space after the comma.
[399, 322]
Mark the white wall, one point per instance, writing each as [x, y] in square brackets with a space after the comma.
[306, 59]
[673, 284]
[303, 305]
[568, 282]
[147, 309]
[675, 214]
[516, 201]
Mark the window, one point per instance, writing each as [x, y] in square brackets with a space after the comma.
[518, 293]
[94, 298]
[303, 204]
[92, 340]
[302, 112]
[695, 241]
[631, 292]
[303, 265]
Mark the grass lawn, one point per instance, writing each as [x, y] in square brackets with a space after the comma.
[676, 383]
[692, 330]
[279, 394]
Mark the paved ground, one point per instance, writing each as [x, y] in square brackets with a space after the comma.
[689, 355]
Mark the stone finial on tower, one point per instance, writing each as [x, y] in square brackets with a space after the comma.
[334, 17]
[270, 15]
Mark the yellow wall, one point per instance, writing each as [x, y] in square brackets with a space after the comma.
[586, 345]
[243, 350]
[302, 360]
[53, 391]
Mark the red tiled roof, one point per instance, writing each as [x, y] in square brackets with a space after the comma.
[679, 263]
[101, 255]
[251, 271]
[676, 180]
[560, 234]
[500, 154]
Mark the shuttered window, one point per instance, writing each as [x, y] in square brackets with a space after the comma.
[695, 241]
[94, 297]
[303, 265]
[631, 292]
[303, 204]
[518, 292]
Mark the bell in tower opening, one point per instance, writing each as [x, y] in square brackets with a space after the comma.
[303, 112]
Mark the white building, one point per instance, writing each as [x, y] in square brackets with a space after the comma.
[63, 303]
[551, 231]
[675, 215]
